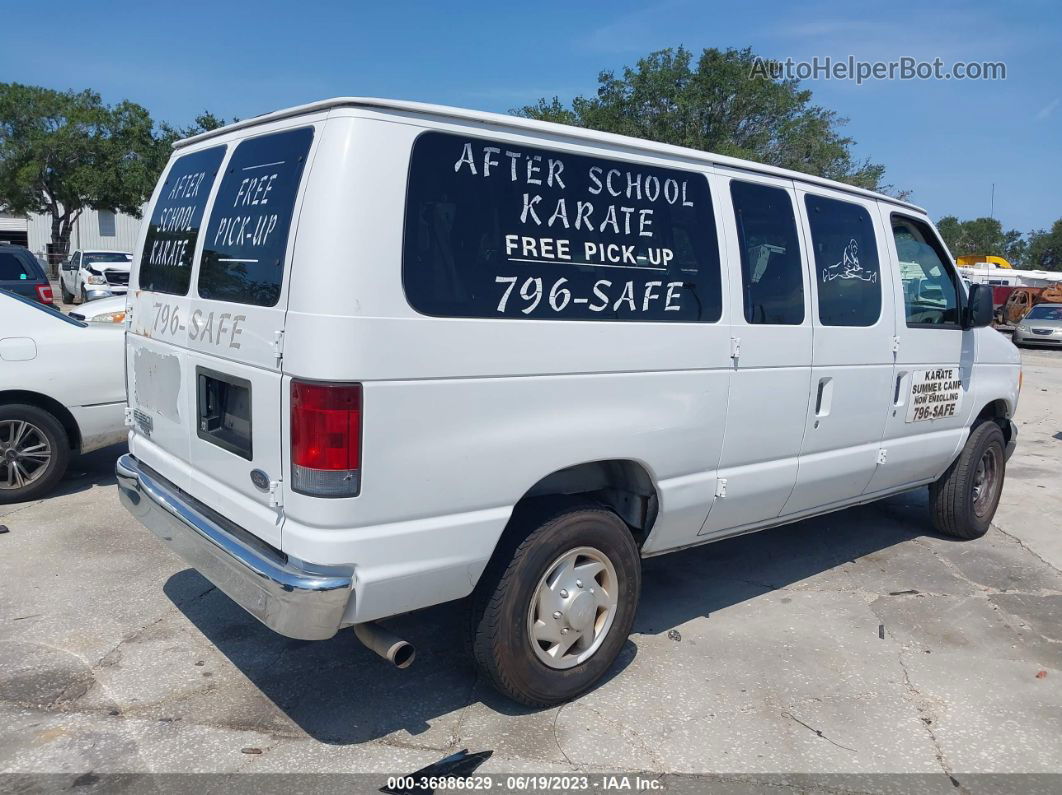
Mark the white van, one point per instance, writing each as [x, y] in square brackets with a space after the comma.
[384, 355]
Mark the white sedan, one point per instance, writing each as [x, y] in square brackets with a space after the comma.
[62, 392]
[104, 310]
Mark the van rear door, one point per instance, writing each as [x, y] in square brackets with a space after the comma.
[205, 348]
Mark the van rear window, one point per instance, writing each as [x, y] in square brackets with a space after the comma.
[247, 236]
[501, 230]
[166, 265]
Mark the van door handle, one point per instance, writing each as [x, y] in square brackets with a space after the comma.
[824, 397]
[899, 395]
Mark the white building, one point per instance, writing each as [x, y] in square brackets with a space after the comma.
[95, 229]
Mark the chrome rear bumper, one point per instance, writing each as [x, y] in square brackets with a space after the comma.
[286, 598]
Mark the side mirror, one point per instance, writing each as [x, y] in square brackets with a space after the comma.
[979, 309]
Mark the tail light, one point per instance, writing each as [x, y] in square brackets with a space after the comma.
[44, 294]
[326, 439]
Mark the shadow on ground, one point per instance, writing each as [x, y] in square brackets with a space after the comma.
[92, 469]
[339, 692]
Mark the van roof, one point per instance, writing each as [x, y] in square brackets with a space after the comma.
[532, 125]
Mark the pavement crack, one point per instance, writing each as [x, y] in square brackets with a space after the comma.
[21, 508]
[953, 569]
[556, 737]
[455, 738]
[925, 716]
[1028, 549]
[818, 732]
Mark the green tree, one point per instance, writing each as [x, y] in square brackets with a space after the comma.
[1045, 248]
[64, 151]
[982, 236]
[730, 102]
[204, 122]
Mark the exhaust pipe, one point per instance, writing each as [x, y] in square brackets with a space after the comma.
[392, 648]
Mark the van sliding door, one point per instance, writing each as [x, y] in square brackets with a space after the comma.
[851, 384]
[770, 351]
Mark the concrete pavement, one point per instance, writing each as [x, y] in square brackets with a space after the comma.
[855, 643]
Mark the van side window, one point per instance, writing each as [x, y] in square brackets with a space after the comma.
[772, 276]
[166, 265]
[247, 236]
[496, 229]
[930, 296]
[846, 262]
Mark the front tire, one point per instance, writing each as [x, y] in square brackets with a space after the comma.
[549, 621]
[964, 499]
[34, 452]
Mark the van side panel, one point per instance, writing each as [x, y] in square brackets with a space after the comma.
[462, 416]
[446, 459]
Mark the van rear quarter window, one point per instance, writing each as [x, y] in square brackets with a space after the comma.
[166, 265]
[503, 230]
[247, 235]
[846, 262]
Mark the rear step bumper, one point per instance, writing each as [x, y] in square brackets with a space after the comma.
[287, 599]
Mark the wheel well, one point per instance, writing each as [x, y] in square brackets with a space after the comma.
[624, 486]
[51, 405]
[996, 412]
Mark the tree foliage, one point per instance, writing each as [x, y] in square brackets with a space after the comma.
[62, 152]
[204, 122]
[1045, 248]
[726, 103]
[982, 236]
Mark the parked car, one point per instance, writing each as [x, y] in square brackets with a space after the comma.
[62, 392]
[89, 275]
[397, 354]
[22, 274]
[105, 310]
[1041, 326]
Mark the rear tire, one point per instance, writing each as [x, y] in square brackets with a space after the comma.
[522, 628]
[34, 448]
[964, 499]
[68, 297]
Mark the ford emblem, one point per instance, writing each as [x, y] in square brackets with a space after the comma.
[260, 479]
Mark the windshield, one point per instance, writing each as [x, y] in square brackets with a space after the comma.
[1045, 313]
[42, 308]
[91, 258]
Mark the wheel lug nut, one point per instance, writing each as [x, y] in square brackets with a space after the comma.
[557, 614]
[564, 594]
[564, 631]
[579, 583]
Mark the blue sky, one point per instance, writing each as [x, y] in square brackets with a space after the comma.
[946, 141]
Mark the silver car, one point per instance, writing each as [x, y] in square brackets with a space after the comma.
[1041, 326]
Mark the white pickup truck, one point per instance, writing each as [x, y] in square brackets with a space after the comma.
[89, 275]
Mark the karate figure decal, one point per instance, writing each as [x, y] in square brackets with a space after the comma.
[848, 267]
